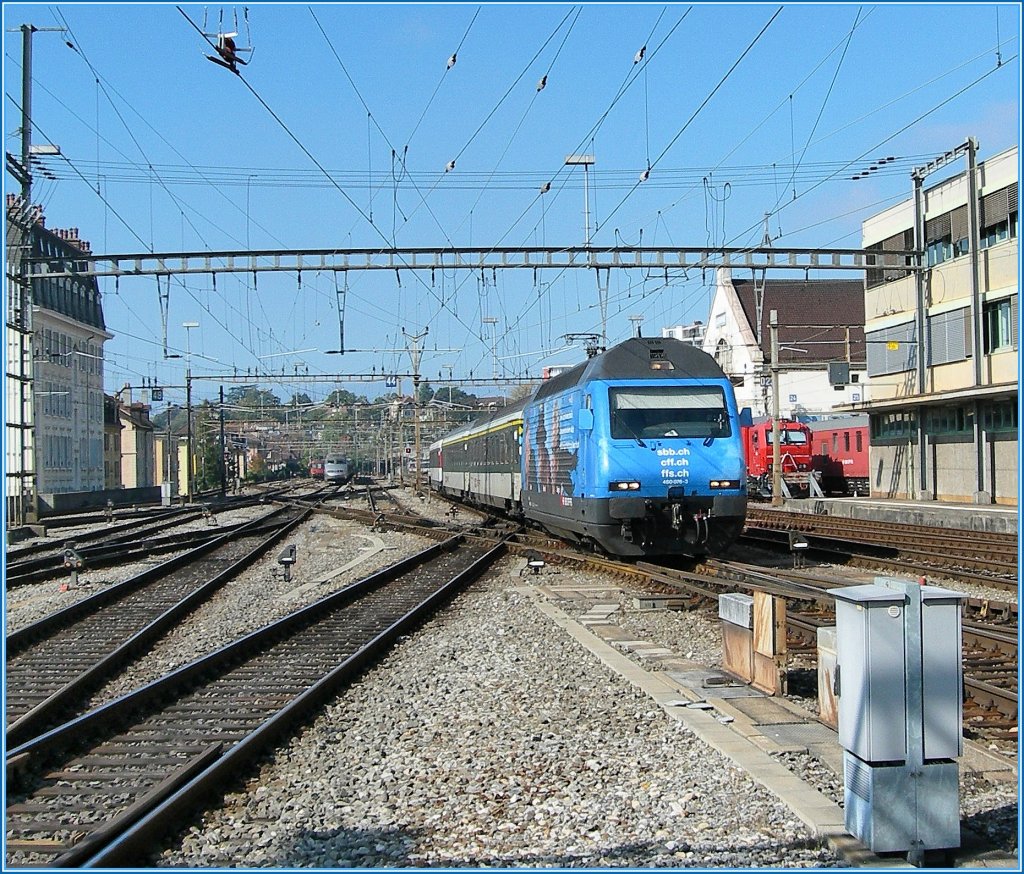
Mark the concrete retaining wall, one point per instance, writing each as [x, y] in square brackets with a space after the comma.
[70, 502]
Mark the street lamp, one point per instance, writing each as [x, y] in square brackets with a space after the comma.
[190, 469]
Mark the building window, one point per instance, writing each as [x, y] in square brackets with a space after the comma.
[949, 420]
[939, 251]
[889, 426]
[1000, 416]
[998, 325]
[723, 355]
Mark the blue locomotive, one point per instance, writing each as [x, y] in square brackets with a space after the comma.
[637, 450]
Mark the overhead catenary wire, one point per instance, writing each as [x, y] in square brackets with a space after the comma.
[448, 67]
[394, 151]
[321, 167]
[824, 103]
[76, 47]
[698, 110]
[893, 136]
[526, 112]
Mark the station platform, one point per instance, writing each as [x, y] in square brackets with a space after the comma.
[970, 517]
[751, 729]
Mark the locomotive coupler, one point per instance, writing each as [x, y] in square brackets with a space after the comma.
[700, 521]
[677, 516]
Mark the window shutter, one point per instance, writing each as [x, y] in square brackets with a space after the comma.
[948, 337]
[882, 360]
[958, 223]
[901, 242]
[936, 228]
[994, 208]
[1011, 199]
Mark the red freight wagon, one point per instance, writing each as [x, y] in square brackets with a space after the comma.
[841, 454]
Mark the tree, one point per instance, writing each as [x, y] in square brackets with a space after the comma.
[206, 446]
[341, 397]
[300, 399]
[425, 392]
[457, 396]
[521, 391]
[256, 403]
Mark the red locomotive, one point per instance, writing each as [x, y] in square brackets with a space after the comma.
[316, 468]
[795, 457]
[840, 454]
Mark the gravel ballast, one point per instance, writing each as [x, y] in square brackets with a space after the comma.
[491, 738]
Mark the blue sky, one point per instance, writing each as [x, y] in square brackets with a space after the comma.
[735, 108]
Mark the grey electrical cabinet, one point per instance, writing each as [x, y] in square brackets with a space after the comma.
[872, 681]
[899, 682]
[942, 670]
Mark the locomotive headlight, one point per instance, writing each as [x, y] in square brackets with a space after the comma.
[624, 486]
[724, 484]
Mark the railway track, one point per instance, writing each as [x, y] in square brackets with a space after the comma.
[115, 552]
[972, 556]
[53, 664]
[107, 534]
[989, 635]
[990, 674]
[103, 789]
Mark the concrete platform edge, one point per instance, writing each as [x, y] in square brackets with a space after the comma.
[823, 817]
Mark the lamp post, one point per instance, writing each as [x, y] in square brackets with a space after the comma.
[189, 466]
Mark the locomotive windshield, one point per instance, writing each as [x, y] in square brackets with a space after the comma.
[787, 437]
[669, 411]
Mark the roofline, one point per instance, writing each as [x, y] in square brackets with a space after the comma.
[989, 391]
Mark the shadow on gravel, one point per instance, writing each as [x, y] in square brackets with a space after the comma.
[996, 827]
[383, 848]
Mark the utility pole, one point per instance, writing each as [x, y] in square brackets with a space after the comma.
[189, 463]
[27, 508]
[773, 324]
[969, 150]
[414, 353]
[223, 448]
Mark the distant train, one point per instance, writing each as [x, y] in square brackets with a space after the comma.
[840, 454]
[794, 456]
[316, 468]
[636, 451]
[337, 468]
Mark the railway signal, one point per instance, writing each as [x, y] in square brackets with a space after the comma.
[74, 562]
[286, 559]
